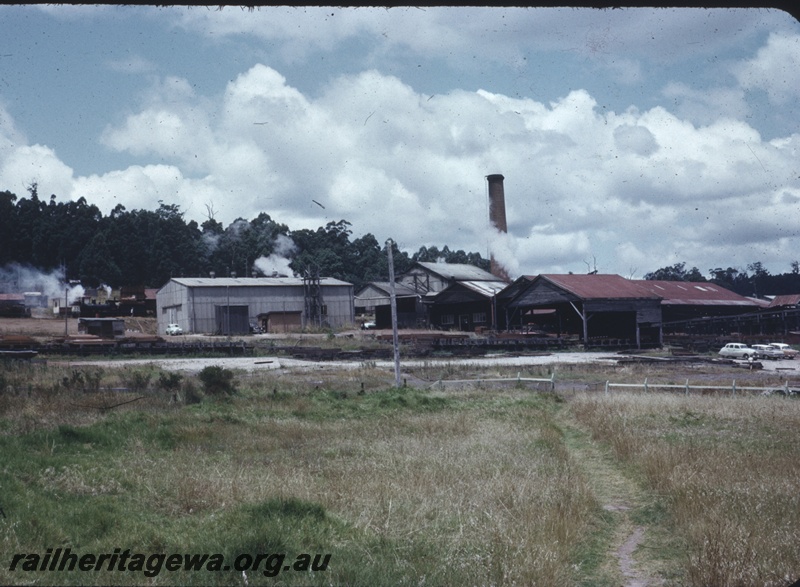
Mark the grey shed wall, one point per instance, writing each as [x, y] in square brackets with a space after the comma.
[193, 303]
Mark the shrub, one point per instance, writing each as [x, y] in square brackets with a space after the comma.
[169, 381]
[83, 380]
[135, 379]
[190, 393]
[217, 380]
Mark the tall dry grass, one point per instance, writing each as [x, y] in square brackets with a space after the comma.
[493, 499]
[726, 469]
[463, 486]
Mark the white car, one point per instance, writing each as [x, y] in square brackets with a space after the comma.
[788, 352]
[173, 329]
[737, 350]
[768, 352]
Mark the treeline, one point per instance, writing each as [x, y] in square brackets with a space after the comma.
[753, 281]
[144, 247]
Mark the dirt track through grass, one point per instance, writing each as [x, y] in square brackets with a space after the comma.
[619, 496]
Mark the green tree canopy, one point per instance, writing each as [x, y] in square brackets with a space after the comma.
[676, 272]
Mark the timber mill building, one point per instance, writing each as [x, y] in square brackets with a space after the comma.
[231, 305]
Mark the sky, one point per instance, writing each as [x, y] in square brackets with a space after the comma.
[629, 139]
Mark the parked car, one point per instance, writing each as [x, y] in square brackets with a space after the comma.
[788, 352]
[173, 329]
[368, 326]
[255, 328]
[737, 350]
[768, 352]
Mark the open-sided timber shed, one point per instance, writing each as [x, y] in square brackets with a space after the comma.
[230, 305]
[686, 300]
[375, 298]
[599, 309]
[466, 306]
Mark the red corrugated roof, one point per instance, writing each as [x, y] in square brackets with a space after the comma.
[11, 297]
[694, 293]
[785, 300]
[600, 286]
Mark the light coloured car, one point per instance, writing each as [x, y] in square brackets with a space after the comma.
[788, 352]
[766, 351]
[738, 350]
[174, 329]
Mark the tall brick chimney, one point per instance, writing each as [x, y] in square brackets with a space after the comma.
[497, 216]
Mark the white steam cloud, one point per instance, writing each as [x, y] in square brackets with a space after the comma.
[74, 293]
[211, 241]
[504, 249]
[278, 261]
[16, 278]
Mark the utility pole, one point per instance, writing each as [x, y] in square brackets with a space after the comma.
[393, 297]
[66, 310]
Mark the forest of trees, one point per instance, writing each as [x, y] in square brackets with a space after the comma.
[143, 247]
[147, 248]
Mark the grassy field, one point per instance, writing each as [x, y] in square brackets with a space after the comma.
[471, 485]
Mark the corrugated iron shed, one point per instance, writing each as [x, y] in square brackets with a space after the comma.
[459, 271]
[379, 290]
[688, 293]
[462, 291]
[599, 286]
[790, 301]
[251, 281]
[485, 288]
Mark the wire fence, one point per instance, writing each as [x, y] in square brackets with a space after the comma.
[550, 381]
[646, 386]
[786, 389]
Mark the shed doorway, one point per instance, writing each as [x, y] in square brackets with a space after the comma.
[232, 320]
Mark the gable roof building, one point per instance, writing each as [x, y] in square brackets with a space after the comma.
[686, 300]
[466, 305]
[785, 301]
[417, 292]
[375, 298]
[229, 305]
[595, 307]
[427, 278]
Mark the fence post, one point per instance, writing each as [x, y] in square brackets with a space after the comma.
[786, 388]
[553, 382]
[687, 388]
[606, 387]
[734, 388]
[645, 384]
